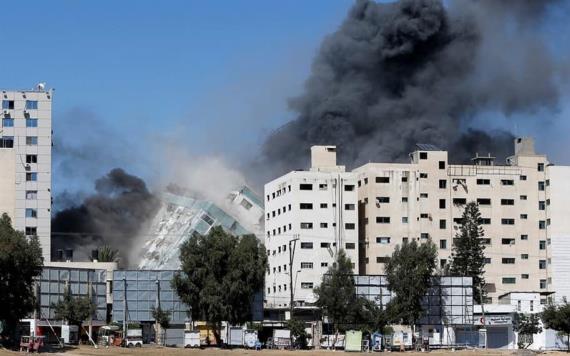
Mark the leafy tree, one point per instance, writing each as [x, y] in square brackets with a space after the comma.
[20, 262]
[409, 274]
[297, 328]
[526, 325]
[467, 257]
[557, 317]
[220, 275]
[162, 322]
[74, 310]
[107, 254]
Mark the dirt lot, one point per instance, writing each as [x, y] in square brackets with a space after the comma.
[158, 351]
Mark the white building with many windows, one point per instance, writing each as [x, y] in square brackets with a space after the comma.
[25, 162]
[309, 217]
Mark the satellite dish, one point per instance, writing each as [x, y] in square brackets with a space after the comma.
[41, 86]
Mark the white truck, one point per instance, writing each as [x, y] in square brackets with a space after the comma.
[134, 338]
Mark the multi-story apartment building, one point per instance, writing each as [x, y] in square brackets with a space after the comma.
[309, 217]
[424, 199]
[25, 162]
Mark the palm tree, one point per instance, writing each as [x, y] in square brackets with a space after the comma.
[107, 254]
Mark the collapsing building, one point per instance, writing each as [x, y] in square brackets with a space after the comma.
[182, 215]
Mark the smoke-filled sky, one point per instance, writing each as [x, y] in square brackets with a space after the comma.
[217, 79]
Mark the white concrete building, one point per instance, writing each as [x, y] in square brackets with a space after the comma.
[25, 162]
[523, 206]
[309, 217]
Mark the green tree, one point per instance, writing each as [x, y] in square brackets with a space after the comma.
[107, 254]
[526, 325]
[162, 322]
[336, 295]
[74, 310]
[409, 272]
[297, 328]
[220, 275]
[467, 256]
[557, 317]
[20, 262]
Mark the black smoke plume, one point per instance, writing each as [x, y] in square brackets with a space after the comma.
[114, 216]
[417, 71]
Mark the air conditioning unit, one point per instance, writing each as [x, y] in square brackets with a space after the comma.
[6, 112]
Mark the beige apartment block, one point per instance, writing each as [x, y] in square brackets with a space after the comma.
[424, 199]
[25, 162]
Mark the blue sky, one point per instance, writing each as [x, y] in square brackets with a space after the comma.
[212, 76]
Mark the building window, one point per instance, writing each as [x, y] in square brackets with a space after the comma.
[508, 261]
[305, 186]
[442, 184]
[524, 237]
[325, 244]
[524, 216]
[441, 164]
[524, 276]
[31, 122]
[382, 259]
[424, 235]
[404, 199]
[382, 179]
[483, 181]
[542, 264]
[542, 245]
[442, 224]
[349, 207]
[349, 188]
[485, 221]
[540, 167]
[323, 186]
[404, 240]
[306, 265]
[31, 104]
[486, 241]
[524, 256]
[423, 175]
[404, 219]
[507, 221]
[306, 225]
[509, 280]
[8, 104]
[423, 195]
[31, 177]
[31, 158]
[424, 216]
[404, 179]
[324, 205]
[31, 231]
[541, 205]
[31, 194]
[443, 244]
[307, 245]
[31, 213]
[542, 224]
[306, 285]
[383, 240]
[484, 201]
[507, 182]
[382, 219]
[459, 201]
[382, 200]
[324, 264]
[522, 177]
[365, 180]
[350, 246]
[523, 197]
[542, 284]
[423, 155]
[508, 241]
[507, 202]
[7, 122]
[442, 263]
[324, 225]
[7, 142]
[306, 206]
[541, 186]
[487, 261]
[442, 203]
[349, 226]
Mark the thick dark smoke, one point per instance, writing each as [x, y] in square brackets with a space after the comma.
[414, 72]
[114, 215]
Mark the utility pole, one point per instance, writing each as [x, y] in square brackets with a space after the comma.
[292, 246]
[484, 329]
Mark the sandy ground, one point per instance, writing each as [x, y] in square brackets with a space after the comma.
[160, 351]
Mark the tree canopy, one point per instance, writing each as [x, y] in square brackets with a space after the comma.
[74, 309]
[20, 262]
[409, 272]
[557, 317]
[220, 275]
[526, 325]
[467, 256]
